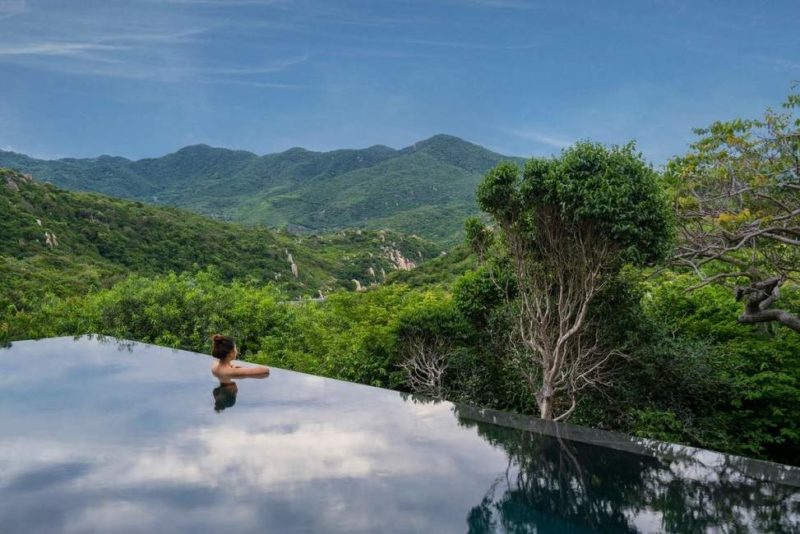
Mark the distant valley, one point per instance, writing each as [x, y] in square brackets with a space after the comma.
[425, 189]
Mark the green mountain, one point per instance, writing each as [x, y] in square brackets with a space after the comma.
[425, 189]
[62, 242]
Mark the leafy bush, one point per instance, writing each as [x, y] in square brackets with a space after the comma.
[696, 376]
[174, 310]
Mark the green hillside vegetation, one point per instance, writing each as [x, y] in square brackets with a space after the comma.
[61, 242]
[425, 189]
[442, 271]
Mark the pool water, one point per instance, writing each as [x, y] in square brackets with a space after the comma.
[110, 436]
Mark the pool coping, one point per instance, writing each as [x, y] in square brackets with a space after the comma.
[761, 470]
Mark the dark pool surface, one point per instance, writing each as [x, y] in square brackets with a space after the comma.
[109, 436]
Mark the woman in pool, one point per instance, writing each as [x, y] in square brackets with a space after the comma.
[224, 350]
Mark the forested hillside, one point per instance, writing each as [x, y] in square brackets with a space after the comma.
[425, 189]
[64, 242]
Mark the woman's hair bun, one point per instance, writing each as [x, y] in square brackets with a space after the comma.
[221, 345]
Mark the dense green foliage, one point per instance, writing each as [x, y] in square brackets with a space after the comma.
[441, 271]
[425, 189]
[737, 205]
[96, 240]
[349, 335]
[566, 226]
[697, 376]
[610, 190]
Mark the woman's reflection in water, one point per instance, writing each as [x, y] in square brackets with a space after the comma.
[225, 395]
[224, 350]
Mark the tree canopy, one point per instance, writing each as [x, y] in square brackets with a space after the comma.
[736, 196]
[568, 225]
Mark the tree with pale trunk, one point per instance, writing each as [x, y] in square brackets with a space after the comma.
[567, 226]
[428, 336]
[425, 360]
[736, 198]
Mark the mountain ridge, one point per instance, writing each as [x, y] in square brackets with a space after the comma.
[319, 191]
[409, 148]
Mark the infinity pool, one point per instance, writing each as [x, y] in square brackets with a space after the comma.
[113, 436]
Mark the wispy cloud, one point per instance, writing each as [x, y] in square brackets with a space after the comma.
[504, 4]
[136, 51]
[99, 43]
[172, 71]
[469, 45]
[54, 48]
[254, 83]
[12, 8]
[554, 141]
[275, 66]
[231, 2]
[783, 63]
[500, 4]
[156, 41]
[376, 22]
[150, 36]
[107, 53]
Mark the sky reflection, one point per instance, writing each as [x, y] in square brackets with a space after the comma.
[97, 441]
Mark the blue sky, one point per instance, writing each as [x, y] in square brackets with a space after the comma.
[142, 78]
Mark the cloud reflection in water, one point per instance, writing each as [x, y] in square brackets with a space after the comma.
[100, 443]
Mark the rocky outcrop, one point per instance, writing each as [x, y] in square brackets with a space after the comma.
[292, 265]
[400, 262]
[13, 179]
[50, 239]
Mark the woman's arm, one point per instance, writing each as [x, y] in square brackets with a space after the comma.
[257, 370]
